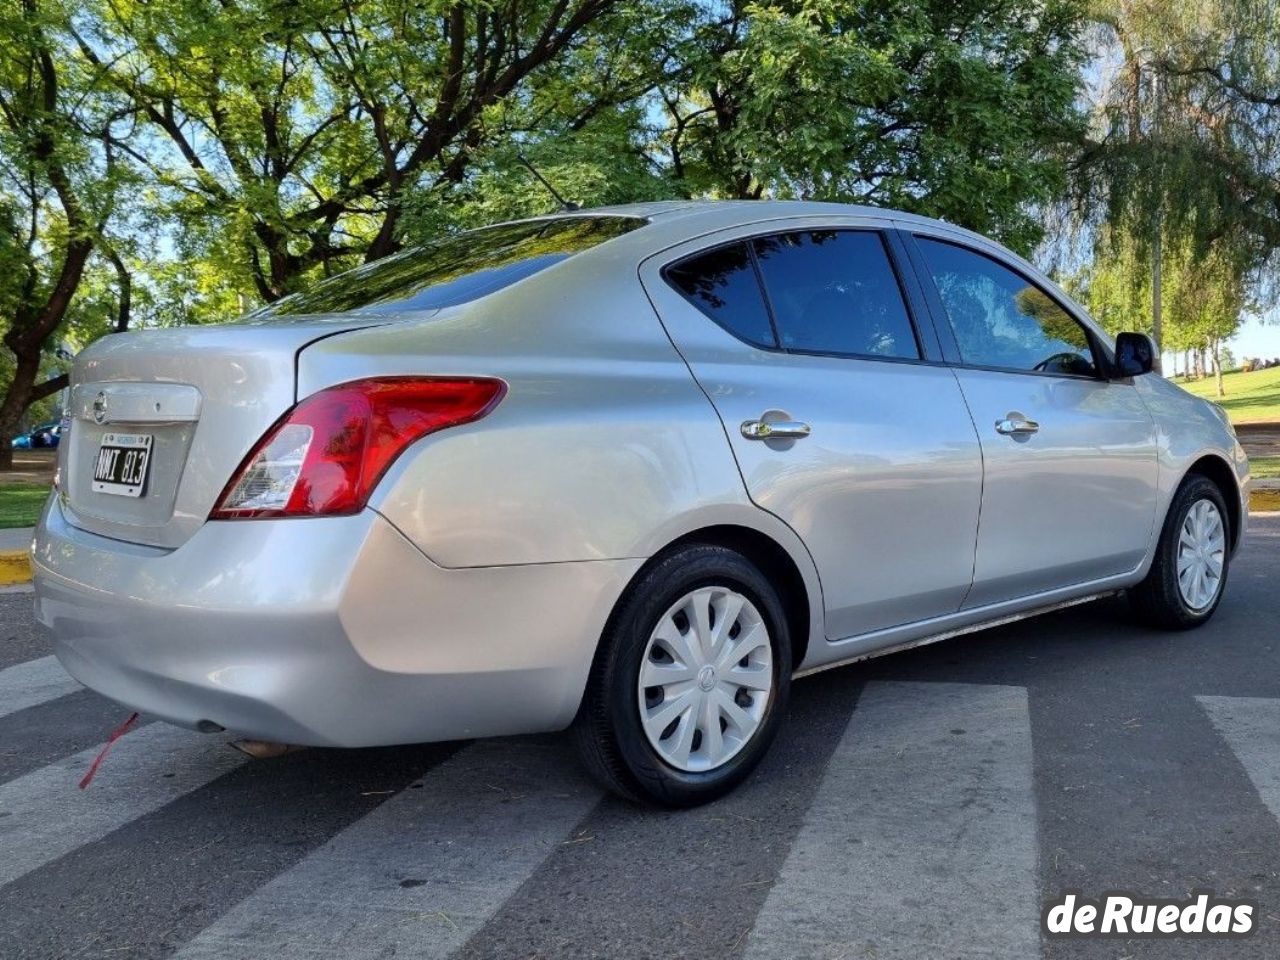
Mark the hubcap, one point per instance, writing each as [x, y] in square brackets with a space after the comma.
[706, 679]
[1201, 554]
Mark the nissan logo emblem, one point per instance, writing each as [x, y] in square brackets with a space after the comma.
[100, 407]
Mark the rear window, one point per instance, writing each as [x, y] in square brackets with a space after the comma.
[722, 284]
[456, 269]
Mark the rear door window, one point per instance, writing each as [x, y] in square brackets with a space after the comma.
[454, 270]
[722, 284]
[835, 291]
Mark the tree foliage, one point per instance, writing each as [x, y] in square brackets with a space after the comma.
[61, 187]
[286, 137]
[958, 109]
[350, 126]
[177, 161]
[1184, 145]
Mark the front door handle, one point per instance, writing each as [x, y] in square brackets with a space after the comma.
[1015, 424]
[775, 430]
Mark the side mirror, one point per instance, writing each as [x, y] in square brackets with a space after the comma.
[1135, 355]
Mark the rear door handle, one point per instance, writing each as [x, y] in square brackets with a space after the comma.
[1015, 424]
[775, 430]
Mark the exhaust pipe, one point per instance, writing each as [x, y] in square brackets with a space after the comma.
[263, 749]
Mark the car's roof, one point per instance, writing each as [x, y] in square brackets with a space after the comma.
[671, 223]
[748, 210]
[677, 219]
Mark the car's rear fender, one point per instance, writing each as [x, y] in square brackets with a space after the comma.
[602, 438]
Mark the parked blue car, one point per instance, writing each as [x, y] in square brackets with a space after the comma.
[44, 435]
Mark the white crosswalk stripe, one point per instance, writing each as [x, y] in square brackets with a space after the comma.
[32, 683]
[422, 872]
[44, 815]
[1251, 727]
[921, 840]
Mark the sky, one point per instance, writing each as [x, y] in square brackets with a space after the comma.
[1256, 339]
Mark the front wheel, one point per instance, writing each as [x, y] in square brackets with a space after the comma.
[1189, 571]
[690, 681]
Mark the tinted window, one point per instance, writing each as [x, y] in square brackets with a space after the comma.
[835, 292]
[722, 284]
[1000, 319]
[454, 270]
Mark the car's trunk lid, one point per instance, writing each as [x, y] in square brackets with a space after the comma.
[198, 398]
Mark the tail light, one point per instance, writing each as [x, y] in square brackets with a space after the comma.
[326, 455]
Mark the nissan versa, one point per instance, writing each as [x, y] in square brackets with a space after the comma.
[625, 470]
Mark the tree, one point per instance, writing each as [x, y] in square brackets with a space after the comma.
[266, 145]
[1207, 297]
[58, 184]
[292, 155]
[590, 127]
[960, 109]
[1206, 292]
[1222, 63]
[1183, 147]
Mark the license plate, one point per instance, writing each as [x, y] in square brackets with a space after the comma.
[124, 460]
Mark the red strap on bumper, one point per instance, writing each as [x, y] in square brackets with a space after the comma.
[116, 734]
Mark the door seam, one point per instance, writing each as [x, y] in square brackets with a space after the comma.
[724, 430]
[982, 487]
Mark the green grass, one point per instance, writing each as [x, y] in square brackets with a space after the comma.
[1251, 397]
[1264, 468]
[20, 503]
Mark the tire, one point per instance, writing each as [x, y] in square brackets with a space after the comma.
[682, 767]
[1161, 600]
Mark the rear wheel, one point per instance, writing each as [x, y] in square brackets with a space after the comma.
[689, 684]
[1189, 572]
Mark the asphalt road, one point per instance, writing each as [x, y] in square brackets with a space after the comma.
[924, 805]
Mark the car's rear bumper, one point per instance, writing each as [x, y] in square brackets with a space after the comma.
[332, 631]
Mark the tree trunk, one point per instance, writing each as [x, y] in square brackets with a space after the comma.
[23, 392]
[16, 400]
[1217, 365]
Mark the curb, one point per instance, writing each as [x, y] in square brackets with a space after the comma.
[1264, 500]
[15, 567]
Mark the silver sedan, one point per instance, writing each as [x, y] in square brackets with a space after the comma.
[625, 470]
